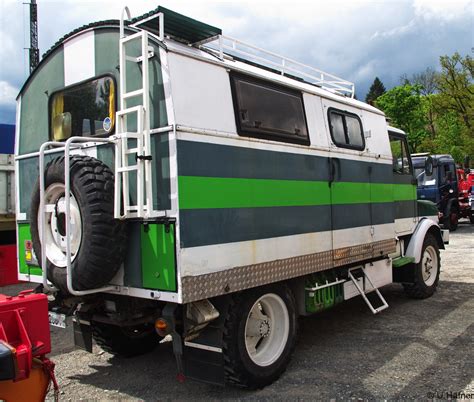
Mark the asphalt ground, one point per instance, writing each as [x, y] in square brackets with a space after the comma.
[416, 349]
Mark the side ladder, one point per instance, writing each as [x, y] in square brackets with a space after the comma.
[143, 207]
[360, 272]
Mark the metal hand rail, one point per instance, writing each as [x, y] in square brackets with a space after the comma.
[73, 141]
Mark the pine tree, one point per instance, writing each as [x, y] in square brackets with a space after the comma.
[376, 89]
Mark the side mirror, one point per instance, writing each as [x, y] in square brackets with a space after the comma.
[62, 126]
[429, 166]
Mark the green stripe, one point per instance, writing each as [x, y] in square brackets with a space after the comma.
[217, 192]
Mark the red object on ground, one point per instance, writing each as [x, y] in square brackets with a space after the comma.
[24, 325]
[8, 268]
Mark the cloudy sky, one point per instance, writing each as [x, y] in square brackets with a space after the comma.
[354, 39]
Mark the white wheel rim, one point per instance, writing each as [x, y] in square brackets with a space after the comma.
[429, 265]
[266, 329]
[55, 236]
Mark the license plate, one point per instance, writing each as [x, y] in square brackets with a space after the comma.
[57, 319]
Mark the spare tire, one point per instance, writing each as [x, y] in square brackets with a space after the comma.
[98, 240]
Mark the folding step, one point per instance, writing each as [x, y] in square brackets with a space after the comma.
[359, 272]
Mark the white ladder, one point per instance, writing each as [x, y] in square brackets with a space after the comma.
[143, 208]
[361, 273]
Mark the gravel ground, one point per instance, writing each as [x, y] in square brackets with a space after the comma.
[415, 349]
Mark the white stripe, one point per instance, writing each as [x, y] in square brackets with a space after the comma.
[203, 347]
[437, 337]
[218, 257]
[79, 58]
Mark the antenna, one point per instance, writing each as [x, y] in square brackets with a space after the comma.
[34, 51]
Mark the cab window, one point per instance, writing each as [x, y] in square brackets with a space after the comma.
[400, 155]
[87, 109]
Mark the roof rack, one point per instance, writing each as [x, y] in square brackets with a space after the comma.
[284, 65]
[163, 21]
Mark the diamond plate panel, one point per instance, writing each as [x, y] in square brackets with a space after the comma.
[240, 278]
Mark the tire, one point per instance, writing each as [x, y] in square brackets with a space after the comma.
[125, 341]
[275, 340]
[451, 220]
[471, 218]
[97, 239]
[425, 278]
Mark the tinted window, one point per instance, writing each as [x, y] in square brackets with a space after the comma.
[268, 111]
[86, 109]
[346, 129]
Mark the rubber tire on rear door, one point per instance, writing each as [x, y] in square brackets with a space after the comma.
[419, 289]
[102, 246]
[125, 341]
[240, 370]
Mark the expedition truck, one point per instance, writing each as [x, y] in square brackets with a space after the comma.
[440, 186]
[174, 181]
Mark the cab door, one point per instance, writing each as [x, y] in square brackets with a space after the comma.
[404, 188]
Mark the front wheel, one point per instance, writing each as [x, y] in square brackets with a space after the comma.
[451, 221]
[426, 275]
[259, 336]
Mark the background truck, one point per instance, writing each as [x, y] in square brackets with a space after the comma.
[175, 181]
[440, 187]
[466, 189]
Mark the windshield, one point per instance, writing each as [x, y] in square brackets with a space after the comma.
[423, 179]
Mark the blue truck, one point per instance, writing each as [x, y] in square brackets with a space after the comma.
[439, 185]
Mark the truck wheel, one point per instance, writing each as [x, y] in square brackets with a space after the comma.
[426, 275]
[259, 336]
[471, 218]
[97, 239]
[451, 221]
[125, 341]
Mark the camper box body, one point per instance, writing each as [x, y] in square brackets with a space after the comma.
[243, 193]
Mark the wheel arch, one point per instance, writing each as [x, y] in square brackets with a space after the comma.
[415, 245]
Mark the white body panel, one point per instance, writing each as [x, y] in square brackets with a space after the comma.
[380, 273]
[79, 58]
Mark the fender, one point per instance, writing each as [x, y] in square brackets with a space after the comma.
[416, 242]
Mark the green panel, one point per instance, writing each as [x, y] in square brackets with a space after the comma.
[34, 116]
[23, 235]
[158, 257]
[426, 208]
[107, 52]
[216, 192]
[401, 261]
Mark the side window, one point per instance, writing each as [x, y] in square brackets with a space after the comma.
[266, 110]
[447, 173]
[346, 129]
[87, 109]
[400, 155]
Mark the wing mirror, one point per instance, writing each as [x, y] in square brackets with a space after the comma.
[429, 166]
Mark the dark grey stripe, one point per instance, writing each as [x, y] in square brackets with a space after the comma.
[213, 160]
[405, 209]
[200, 227]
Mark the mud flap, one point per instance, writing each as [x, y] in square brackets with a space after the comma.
[203, 355]
[82, 334]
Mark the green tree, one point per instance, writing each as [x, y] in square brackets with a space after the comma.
[376, 89]
[406, 108]
[456, 88]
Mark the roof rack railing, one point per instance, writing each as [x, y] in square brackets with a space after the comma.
[285, 65]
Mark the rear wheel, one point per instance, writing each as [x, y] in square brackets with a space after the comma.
[426, 275]
[259, 336]
[125, 341]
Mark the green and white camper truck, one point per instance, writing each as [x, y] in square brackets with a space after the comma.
[172, 180]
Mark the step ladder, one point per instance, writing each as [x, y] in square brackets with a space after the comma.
[143, 208]
[360, 272]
